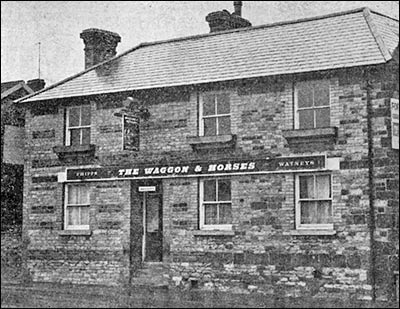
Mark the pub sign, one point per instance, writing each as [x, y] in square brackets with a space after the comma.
[130, 132]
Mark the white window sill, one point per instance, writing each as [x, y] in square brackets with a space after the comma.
[315, 232]
[212, 142]
[214, 233]
[75, 233]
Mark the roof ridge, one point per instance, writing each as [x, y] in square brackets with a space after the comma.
[375, 33]
[381, 14]
[279, 23]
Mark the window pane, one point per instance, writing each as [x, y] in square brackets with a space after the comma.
[324, 212]
[225, 213]
[322, 117]
[306, 119]
[73, 215]
[85, 116]
[83, 195]
[304, 95]
[224, 190]
[395, 129]
[210, 214]
[306, 187]
[73, 195]
[323, 189]
[224, 125]
[85, 136]
[209, 190]
[308, 212]
[210, 126]
[223, 103]
[73, 116]
[208, 104]
[84, 218]
[75, 137]
[321, 93]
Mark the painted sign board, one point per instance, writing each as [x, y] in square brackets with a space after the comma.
[394, 111]
[237, 167]
[130, 132]
[147, 189]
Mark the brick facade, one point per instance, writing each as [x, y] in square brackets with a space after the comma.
[263, 254]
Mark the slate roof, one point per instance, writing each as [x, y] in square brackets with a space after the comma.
[353, 38]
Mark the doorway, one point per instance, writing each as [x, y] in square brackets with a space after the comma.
[151, 202]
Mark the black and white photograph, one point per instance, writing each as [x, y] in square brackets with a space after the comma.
[199, 154]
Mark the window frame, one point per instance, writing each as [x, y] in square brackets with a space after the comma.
[80, 127]
[66, 205]
[216, 115]
[204, 226]
[313, 226]
[313, 108]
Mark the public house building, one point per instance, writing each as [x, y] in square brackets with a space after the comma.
[251, 159]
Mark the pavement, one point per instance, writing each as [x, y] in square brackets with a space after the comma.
[49, 295]
[54, 295]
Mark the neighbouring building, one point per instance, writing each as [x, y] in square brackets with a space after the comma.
[12, 149]
[258, 159]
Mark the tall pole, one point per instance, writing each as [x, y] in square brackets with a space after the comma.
[39, 60]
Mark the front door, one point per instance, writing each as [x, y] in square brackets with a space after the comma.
[152, 225]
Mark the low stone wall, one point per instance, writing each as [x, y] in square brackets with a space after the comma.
[329, 282]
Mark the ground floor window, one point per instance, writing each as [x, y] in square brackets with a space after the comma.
[313, 201]
[77, 203]
[215, 204]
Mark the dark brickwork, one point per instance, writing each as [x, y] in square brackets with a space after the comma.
[262, 252]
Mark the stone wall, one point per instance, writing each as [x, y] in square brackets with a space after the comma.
[262, 254]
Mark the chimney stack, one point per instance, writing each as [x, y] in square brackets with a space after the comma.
[100, 45]
[223, 20]
[238, 8]
[36, 84]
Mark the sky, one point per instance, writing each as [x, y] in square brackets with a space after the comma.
[57, 25]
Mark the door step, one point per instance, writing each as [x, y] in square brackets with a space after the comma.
[153, 274]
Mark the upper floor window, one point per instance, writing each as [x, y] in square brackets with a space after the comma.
[215, 204]
[312, 103]
[215, 114]
[77, 203]
[314, 201]
[78, 125]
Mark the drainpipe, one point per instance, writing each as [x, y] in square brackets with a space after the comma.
[371, 185]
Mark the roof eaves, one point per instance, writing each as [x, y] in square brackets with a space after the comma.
[216, 80]
[375, 33]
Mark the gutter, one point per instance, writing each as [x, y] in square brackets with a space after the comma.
[371, 186]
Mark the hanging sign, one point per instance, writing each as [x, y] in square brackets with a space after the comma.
[394, 111]
[130, 132]
[258, 166]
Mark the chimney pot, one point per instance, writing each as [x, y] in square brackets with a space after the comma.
[238, 8]
[223, 20]
[100, 45]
